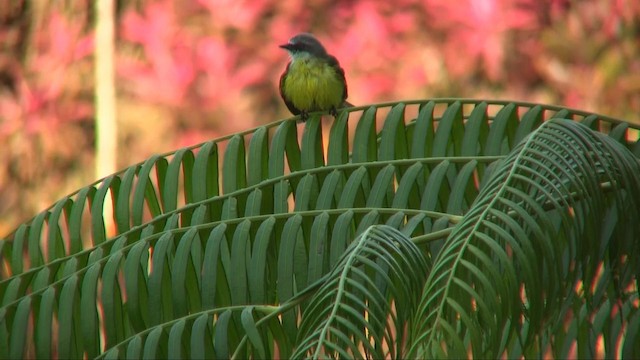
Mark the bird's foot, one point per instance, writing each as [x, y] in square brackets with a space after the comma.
[334, 112]
[304, 116]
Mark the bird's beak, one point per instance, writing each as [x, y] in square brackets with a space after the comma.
[288, 46]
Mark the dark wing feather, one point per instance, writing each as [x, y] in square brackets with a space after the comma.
[287, 102]
[336, 65]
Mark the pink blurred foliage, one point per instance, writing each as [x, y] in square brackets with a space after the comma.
[608, 17]
[179, 67]
[39, 101]
[45, 102]
[218, 62]
[165, 74]
[243, 15]
[475, 31]
[378, 48]
[192, 70]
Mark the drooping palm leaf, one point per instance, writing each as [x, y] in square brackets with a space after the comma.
[375, 280]
[534, 234]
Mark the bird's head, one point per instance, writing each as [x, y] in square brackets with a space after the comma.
[304, 45]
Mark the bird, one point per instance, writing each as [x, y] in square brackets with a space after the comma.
[313, 79]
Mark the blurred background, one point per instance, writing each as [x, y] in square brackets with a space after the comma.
[187, 71]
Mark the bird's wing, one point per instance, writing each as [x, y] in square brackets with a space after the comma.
[287, 102]
[336, 65]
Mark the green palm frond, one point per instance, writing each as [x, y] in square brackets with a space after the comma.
[350, 310]
[533, 235]
[230, 248]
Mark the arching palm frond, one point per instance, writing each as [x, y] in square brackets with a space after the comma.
[231, 248]
[375, 280]
[565, 199]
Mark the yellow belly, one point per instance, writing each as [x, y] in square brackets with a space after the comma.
[312, 85]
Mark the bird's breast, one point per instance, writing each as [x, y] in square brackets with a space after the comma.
[313, 85]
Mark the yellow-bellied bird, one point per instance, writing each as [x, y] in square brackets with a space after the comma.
[313, 79]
